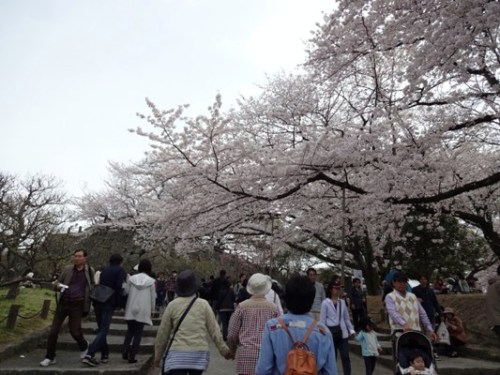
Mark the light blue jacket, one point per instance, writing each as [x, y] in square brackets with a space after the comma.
[363, 338]
[276, 343]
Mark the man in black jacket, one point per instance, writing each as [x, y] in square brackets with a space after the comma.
[427, 299]
[113, 277]
[216, 285]
[357, 302]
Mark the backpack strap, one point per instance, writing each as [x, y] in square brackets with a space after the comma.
[280, 321]
[309, 331]
[306, 336]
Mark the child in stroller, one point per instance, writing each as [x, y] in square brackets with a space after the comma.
[417, 365]
[407, 347]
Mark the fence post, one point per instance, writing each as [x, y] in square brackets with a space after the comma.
[45, 309]
[11, 319]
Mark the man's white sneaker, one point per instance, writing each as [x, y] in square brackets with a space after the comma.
[47, 362]
[84, 353]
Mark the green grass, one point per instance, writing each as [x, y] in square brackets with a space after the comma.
[31, 302]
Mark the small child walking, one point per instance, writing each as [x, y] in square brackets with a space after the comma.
[370, 347]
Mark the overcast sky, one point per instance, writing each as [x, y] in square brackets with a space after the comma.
[74, 73]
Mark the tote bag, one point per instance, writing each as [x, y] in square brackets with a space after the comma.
[101, 293]
[443, 334]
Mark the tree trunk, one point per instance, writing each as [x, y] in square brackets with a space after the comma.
[13, 291]
[363, 256]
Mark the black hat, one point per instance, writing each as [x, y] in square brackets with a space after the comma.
[399, 276]
[187, 283]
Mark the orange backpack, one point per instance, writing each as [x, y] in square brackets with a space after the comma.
[300, 360]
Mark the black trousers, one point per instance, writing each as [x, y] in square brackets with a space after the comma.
[342, 347]
[496, 330]
[370, 363]
[133, 339]
[357, 315]
[74, 311]
[185, 372]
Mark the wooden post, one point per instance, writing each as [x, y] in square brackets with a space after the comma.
[45, 309]
[11, 319]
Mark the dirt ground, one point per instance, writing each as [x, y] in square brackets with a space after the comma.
[468, 307]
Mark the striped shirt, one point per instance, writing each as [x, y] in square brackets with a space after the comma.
[193, 360]
[190, 347]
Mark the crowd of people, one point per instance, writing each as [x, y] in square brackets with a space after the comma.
[246, 321]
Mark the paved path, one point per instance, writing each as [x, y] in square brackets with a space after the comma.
[220, 366]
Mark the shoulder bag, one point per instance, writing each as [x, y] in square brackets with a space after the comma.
[336, 330]
[101, 293]
[173, 335]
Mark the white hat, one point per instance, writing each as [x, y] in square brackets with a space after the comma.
[259, 284]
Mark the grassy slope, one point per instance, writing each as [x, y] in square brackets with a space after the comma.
[31, 302]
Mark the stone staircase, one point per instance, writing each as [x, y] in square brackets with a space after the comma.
[68, 355]
[24, 359]
[463, 365]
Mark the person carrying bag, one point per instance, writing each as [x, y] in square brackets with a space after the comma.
[335, 316]
[184, 348]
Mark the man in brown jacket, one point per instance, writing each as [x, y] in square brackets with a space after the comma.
[493, 303]
[74, 283]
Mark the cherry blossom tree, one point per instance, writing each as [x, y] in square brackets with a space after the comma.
[397, 111]
[427, 74]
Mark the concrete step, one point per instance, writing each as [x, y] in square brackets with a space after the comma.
[355, 347]
[68, 363]
[115, 343]
[466, 366]
[119, 320]
[89, 328]
[491, 354]
[445, 365]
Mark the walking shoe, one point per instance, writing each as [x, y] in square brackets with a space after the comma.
[125, 354]
[104, 359]
[47, 362]
[90, 361]
[84, 353]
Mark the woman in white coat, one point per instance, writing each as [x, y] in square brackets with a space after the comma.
[140, 304]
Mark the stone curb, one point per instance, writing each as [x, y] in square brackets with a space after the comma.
[29, 342]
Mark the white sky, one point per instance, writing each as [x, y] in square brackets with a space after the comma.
[74, 73]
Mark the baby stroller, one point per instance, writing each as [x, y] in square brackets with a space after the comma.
[406, 343]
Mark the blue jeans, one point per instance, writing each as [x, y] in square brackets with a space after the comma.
[342, 347]
[103, 314]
